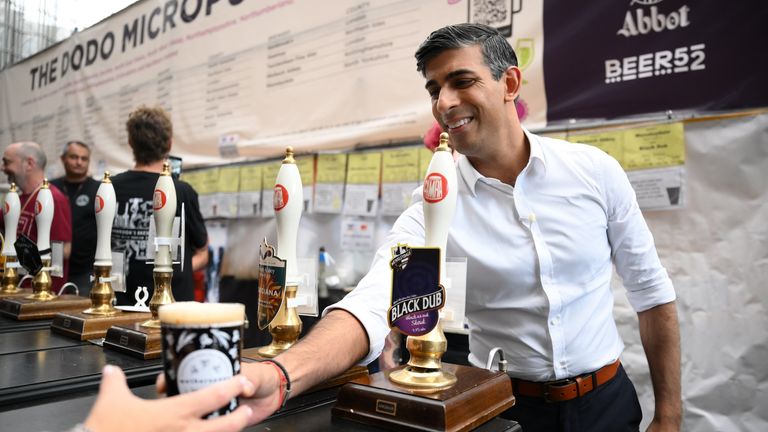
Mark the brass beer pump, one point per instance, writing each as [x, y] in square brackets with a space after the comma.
[42, 282]
[11, 209]
[164, 204]
[94, 322]
[288, 202]
[285, 329]
[43, 303]
[102, 294]
[285, 325]
[143, 339]
[424, 370]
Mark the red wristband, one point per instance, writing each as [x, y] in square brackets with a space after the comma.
[285, 382]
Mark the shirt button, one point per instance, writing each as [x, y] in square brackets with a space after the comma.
[555, 320]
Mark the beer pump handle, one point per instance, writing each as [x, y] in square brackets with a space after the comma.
[44, 218]
[439, 199]
[11, 211]
[104, 207]
[288, 203]
[164, 205]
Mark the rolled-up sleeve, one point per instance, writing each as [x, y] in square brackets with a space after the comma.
[372, 297]
[632, 246]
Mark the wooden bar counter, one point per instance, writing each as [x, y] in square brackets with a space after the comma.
[311, 417]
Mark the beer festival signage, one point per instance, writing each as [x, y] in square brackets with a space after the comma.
[628, 57]
[245, 79]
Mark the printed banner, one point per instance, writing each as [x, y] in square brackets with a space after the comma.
[625, 57]
[243, 80]
[246, 79]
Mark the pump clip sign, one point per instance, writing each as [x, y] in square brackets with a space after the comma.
[271, 285]
[417, 295]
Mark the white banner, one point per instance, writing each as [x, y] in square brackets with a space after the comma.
[245, 78]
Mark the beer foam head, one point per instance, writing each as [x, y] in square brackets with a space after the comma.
[194, 313]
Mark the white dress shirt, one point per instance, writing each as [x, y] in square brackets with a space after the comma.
[539, 258]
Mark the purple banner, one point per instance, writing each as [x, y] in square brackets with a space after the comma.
[625, 57]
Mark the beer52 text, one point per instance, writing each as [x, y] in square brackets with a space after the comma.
[683, 59]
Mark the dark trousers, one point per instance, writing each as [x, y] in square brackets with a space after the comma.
[611, 407]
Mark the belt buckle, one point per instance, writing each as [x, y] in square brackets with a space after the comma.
[555, 384]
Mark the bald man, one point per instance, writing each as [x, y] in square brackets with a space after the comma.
[24, 164]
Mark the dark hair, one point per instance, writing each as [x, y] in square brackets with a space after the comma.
[75, 142]
[497, 53]
[149, 134]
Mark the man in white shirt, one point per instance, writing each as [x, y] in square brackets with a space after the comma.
[541, 222]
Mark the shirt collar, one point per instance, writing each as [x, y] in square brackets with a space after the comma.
[468, 173]
[537, 164]
[537, 161]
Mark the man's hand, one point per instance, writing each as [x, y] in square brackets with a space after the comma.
[267, 397]
[264, 397]
[664, 425]
[338, 338]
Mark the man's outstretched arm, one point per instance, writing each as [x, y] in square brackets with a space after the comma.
[336, 342]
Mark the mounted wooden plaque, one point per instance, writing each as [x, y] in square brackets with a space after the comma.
[85, 326]
[478, 396]
[24, 309]
[134, 340]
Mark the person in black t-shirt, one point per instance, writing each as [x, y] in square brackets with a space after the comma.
[149, 135]
[81, 189]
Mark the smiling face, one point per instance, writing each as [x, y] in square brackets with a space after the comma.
[469, 104]
[14, 165]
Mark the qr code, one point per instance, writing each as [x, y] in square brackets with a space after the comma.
[490, 12]
[495, 13]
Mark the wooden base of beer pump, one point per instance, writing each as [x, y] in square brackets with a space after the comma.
[94, 322]
[143, 340]
[426, 394]
[42, 303]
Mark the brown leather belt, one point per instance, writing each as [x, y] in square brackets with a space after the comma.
[566, 389]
